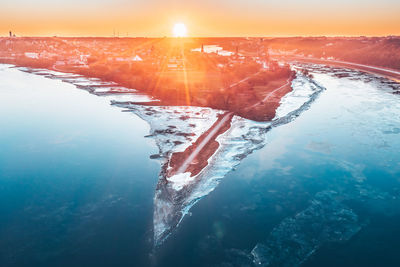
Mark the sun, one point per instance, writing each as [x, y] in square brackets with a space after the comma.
[179, 30]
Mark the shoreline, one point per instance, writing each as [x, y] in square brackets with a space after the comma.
[376, 70]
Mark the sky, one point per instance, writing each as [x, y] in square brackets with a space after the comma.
[156, 18]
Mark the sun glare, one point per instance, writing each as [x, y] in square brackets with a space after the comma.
[179, 30]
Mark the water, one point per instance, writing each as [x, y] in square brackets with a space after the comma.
[317, 188]
[77, 183]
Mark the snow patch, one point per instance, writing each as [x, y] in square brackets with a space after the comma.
[180, 180]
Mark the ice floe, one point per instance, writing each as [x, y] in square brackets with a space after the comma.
[295, 239]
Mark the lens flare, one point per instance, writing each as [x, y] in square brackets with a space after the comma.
[179, 30]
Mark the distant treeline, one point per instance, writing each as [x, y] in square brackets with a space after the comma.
[377, 51]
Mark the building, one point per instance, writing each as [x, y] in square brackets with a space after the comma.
[32, 55]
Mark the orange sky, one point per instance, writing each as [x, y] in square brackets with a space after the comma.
[202, 17]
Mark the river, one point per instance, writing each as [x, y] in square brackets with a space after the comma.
[82, 183]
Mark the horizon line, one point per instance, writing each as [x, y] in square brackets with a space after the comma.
[198, 37]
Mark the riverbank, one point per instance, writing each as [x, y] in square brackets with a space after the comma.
[386, 72]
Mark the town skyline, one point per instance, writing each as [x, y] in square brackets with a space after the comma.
[203, 19]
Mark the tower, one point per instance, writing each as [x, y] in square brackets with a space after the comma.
[266, 51]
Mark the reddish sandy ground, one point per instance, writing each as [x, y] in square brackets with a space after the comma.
[259, 104]
[199, 152]
[200, 160]
[268, 100]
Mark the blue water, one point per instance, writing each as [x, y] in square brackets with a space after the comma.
[76, 181]
[77, 185]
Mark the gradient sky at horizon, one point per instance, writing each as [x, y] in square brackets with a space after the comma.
[202, 17]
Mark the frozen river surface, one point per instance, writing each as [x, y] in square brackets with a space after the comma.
[82, 183]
